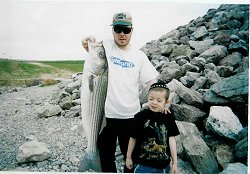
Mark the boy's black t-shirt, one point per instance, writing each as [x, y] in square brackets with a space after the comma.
[152, 131]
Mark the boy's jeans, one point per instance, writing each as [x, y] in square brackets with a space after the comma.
[146, 169]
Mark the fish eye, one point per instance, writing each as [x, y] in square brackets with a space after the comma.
[101, 54]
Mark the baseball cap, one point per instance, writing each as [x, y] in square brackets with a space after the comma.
[122, 18]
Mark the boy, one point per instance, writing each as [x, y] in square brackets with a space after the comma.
[153, 136]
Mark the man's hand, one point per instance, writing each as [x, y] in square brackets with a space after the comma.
[85, 42]
[166, 110]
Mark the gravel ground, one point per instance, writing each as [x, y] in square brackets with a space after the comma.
[20, 124]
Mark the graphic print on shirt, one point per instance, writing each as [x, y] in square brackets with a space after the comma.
[155, 145]
[122, 63]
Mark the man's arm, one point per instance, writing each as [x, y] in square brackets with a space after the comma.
[173, 151]
[131, 146]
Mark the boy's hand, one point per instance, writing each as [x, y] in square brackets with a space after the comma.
[85, 42]
[129, 163]
[174, 169]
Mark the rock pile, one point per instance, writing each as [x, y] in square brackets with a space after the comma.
[206, 66]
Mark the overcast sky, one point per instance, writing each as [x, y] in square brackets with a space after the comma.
[52, 29]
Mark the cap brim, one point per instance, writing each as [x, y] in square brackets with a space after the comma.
[121, 23]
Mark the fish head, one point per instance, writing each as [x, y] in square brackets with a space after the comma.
[97, 58]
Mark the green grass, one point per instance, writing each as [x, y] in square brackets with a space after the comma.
[14, 72]
[74, 66]
[10, 69]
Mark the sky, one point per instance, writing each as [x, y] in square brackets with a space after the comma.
[53, 29]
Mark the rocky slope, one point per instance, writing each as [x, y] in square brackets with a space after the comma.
[206, 65]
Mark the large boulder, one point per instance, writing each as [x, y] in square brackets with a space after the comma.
[190, 96]
[200, 155]
[201, 46]
[33, 151]
[234, 89]
[223, 122]
[214, 54]
[185, 129]
[188, 113]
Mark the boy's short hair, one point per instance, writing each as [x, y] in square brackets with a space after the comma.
[160, 86]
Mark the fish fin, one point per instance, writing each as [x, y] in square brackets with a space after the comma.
[91, 83]
[90, 162]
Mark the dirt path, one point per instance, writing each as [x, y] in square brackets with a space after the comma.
[59, 73]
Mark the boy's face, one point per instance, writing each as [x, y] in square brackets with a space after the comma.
[157, 100]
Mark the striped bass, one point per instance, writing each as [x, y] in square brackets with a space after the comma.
[93, 95]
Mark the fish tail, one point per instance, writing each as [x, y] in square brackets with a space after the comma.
[90, 162]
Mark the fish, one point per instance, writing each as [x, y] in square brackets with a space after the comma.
[93, 96]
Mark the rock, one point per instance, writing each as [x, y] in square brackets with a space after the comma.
[224, 71]
[241, 148]
[168, 49]
[240, 46]
[199, 33]
[72, 86]
[198, 61]
[212, 78]
[201, 46]
[232, 60]
[189, 67]
[200, 155]
[74, 160]
[185, 129]
[190, 96]
[235, 168]
[74, 111]
[224, 154]
[234, 88]
[76, 102]
[222, 39]
[189, 79]
[243, 133]
[214, 54]
[49, 110]
[33, 151]
[199, 83]
[66, 103]
[181, 50]
[173, 71]
[223, 122]
[187, 113]
[185, 167]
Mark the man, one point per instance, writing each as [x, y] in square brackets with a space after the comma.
[128, 68]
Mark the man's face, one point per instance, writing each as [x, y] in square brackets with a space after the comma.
[122, 35]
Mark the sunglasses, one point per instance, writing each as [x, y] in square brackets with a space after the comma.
[118, 29]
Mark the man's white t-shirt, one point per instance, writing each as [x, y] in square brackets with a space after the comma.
[127, 70]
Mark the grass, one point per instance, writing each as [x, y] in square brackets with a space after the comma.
[16, 73]
[10, 69]
[74, 66]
